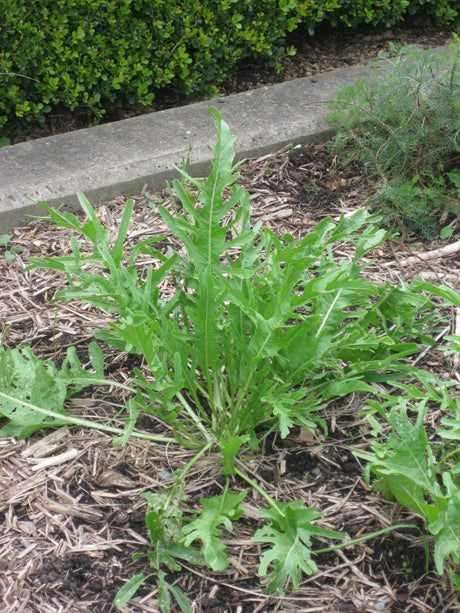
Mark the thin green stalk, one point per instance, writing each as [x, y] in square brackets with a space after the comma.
[195, 458]
[444, 459]
[23, 76]
[258, 489]
[194, 417]
[86, 423]
[184, 471]
[367, 537]
[96, 381]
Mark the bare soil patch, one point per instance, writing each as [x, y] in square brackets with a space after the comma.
[70, 511]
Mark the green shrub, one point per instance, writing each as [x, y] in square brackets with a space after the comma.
[375, 12]
[443, 11]
[89, 54]
[389, 12]
[410, 135]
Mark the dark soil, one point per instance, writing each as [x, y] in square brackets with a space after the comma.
[94, 578]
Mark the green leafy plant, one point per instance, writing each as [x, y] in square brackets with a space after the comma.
[33, 393]
[92, 55]
[217, 510]
[403, 126]
[259, 333]
[95, 54]
[289, 532]
[420, 474]
[10, 252]
[277, 306]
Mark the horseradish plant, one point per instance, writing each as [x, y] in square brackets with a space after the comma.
[259, 334]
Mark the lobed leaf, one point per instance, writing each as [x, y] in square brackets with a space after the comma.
[289, 532]
[218, 510]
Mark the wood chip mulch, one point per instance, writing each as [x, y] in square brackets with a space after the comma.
[70, 511]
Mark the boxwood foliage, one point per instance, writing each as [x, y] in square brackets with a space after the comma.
[389, 12]
[88, 54]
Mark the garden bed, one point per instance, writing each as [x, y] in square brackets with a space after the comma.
[70, 511]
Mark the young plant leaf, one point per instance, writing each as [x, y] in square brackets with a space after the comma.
[128, 590]
[446, 528]
[289, 533]
[164, 598]
[218, 510]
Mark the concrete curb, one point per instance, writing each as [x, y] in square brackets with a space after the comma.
[122, 157]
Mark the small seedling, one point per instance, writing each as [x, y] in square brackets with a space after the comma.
[153, 202]
[12, 251]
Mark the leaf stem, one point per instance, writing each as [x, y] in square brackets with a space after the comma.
[367, 537]
[258, 489]
[194, 417]
[184, 471]
[86, 423]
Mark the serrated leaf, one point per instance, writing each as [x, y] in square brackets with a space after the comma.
[408, 471]
[289, 532]
[406, 453]
[230, 449]
[25, 378]
[217, 511]
[28, 385]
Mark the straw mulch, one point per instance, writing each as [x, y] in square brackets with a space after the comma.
[70, 510]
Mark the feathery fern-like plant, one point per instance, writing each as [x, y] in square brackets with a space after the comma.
[404, 126]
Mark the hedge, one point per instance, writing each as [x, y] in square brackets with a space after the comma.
[89, 54]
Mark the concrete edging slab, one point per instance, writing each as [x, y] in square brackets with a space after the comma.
[120, 158]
